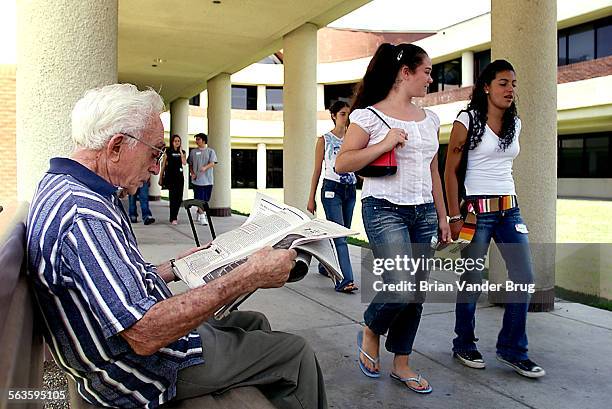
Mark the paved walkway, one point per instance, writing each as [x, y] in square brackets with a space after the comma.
[573, 343]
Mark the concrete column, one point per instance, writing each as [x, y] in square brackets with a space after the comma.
[467, 68]
[219, 139]
[204, 99]
[262, 166]
[179, 122]
[300, 112]
[514, 24]
[320, 97]
[63, 49]
[261, 98]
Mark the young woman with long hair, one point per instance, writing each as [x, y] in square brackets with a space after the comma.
[171, 175]
[401, 212]
[338, 190]
[489, 130]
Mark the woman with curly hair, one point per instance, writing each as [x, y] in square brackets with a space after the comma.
[488, 133]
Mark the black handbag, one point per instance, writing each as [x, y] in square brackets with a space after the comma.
[164, 179]
[463, 163]
[384, 165]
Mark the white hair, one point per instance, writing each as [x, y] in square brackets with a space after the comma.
[106, 111]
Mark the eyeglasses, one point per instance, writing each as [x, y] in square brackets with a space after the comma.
[160, 152]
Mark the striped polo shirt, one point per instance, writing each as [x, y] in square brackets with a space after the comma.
[92, 283]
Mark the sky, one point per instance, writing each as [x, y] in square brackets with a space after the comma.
[8, 33]
[412, 15]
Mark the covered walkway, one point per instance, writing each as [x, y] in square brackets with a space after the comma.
[572, 342]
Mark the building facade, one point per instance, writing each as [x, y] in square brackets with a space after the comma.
[459, 53]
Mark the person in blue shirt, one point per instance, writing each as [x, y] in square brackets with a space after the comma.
[142, 194]
[111, 322]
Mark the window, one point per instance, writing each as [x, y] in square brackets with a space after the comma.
[562, 50]
[195, 100]
[481, 60]
[271, 59]
[244, 168]
[274, 98]
[604, 40]
[244, 97]
[585, 156]
[580, 44]
[446, 75]
[597, 149]
[274, 174]
[571, 160]
[585, 42]
[338, 92]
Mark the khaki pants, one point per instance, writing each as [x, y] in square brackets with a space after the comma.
[241, 350]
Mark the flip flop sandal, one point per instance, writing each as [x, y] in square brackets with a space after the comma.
[348, 289]
[364, 369]
[413, 379]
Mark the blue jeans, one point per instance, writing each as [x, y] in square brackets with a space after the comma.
[393, 231]
[502, 227]
[143, 197]
[339, 209]
[202, 192]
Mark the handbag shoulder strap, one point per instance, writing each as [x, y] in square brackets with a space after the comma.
[379, 117]
[470, 129]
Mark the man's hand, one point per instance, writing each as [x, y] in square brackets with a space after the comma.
[270, 267]
[170, 319]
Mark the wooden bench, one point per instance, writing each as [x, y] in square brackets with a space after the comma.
[21, 343]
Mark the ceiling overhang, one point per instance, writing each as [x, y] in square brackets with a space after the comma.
[176, 47]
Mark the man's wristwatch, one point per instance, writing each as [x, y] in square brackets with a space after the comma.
[176, 278]
[453, 219]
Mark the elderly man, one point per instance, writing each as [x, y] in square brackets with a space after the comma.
[112, 323]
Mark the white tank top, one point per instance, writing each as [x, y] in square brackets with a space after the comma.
[332, 147]
[489, 168]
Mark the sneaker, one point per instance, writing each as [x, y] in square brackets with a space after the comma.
[149, 220]
[526, 367]
[174, 222]
[472, 359]
[134, 219]
[202, 219]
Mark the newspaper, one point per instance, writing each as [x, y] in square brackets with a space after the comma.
[271, 223]
[449, 250]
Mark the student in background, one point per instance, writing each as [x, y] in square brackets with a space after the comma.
[338, 190]
[142, 194]
[171, 176]
[201, 161]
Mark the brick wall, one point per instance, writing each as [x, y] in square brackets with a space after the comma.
[444, 97]
[343, 45]
[566, 73]
[585, 70]
[8, 150]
